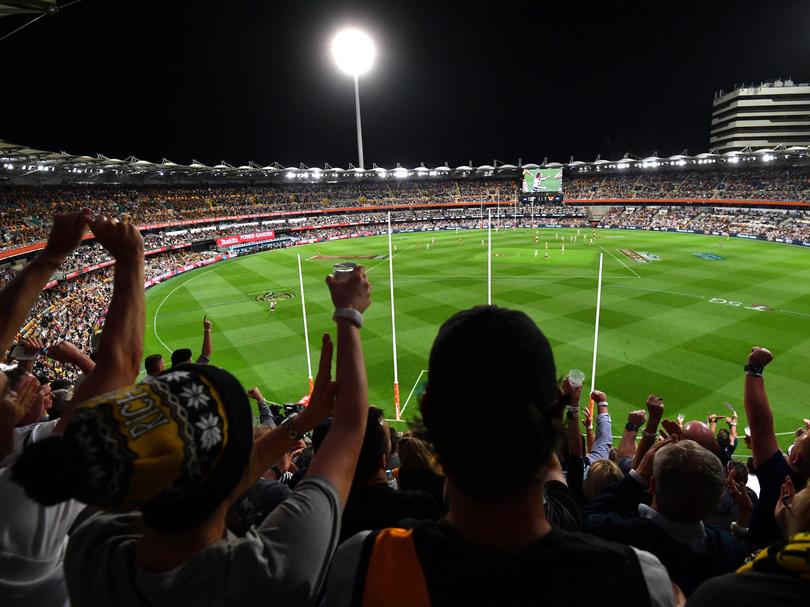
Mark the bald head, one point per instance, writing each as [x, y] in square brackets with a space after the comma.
[700, 433]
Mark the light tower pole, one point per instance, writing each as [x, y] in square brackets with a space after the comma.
[353, 52]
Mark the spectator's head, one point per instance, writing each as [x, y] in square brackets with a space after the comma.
[376, 449]
[181, 356]
[174, 446]
[415, 454]
[687, 481]
[700, 433]
[491, 369]
[154, 364]
[723, 437]
[747, 436]
[799, 457]
[62, 394]
[601, 474]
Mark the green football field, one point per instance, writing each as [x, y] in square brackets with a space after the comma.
[678, 322]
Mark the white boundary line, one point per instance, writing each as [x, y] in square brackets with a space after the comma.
[619, 260]
[407, 400]
[596, 329]
[160, 305]
[377, 265]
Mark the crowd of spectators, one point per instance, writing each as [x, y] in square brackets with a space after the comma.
[24, 211]
[762, 223]
[168, 492]
[735, 184]
[75, 310]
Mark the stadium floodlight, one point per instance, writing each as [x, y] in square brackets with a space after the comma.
[354, 52]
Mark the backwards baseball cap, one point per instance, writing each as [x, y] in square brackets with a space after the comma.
[174, 446]
[489, 351]
[491, 366]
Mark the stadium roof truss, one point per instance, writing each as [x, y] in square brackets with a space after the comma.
[20, 165]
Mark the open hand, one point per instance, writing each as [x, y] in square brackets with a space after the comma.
[586, 418]
[670, 428]
[16, 404]
[645, 467]
[740, 496]
[783, 504]
[322, 400]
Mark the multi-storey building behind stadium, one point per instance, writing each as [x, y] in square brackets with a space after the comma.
[772, 114]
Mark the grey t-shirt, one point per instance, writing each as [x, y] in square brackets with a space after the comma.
[282, 562]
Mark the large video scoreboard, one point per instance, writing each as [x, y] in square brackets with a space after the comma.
[542, 185]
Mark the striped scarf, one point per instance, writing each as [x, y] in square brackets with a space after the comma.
[790, 556]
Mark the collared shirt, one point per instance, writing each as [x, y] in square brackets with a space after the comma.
[691, 534]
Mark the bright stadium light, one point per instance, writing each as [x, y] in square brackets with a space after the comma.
[353, 52]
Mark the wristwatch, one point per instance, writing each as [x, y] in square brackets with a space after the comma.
[289, 428]
[355, 317]
[632, 427]
[754, 369]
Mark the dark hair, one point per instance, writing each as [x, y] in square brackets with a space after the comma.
[723, 437]
[376, 443]
[152, 363]
[183, 355]
[491, 367]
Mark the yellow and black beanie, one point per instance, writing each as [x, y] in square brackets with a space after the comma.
[173, 446]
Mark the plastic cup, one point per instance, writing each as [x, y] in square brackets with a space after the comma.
[342, 270]
[576, 377]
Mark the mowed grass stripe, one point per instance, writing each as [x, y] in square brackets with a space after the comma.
[659, 333]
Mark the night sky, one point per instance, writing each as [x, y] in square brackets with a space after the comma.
[241, 80]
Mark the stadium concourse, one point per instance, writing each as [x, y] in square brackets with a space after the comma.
[652, 503]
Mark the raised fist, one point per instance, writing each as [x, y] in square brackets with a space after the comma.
[759, 356]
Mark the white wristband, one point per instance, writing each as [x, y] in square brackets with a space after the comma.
[355, 317]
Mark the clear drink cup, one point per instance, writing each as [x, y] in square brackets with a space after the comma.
[342, 270]
[576, 377]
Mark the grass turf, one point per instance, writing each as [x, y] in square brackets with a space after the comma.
[680, 327]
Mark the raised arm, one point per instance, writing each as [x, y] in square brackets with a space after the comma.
[121, 345]
[66, 353]
[655, 410]
[273, 444]
[627, 444]
[572, 416]
[336, 459]
[18, 296]
[757, 408]
[205, 353]
[600, 448]
[587, 423]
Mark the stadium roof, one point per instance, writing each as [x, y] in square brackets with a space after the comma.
[23, 165]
